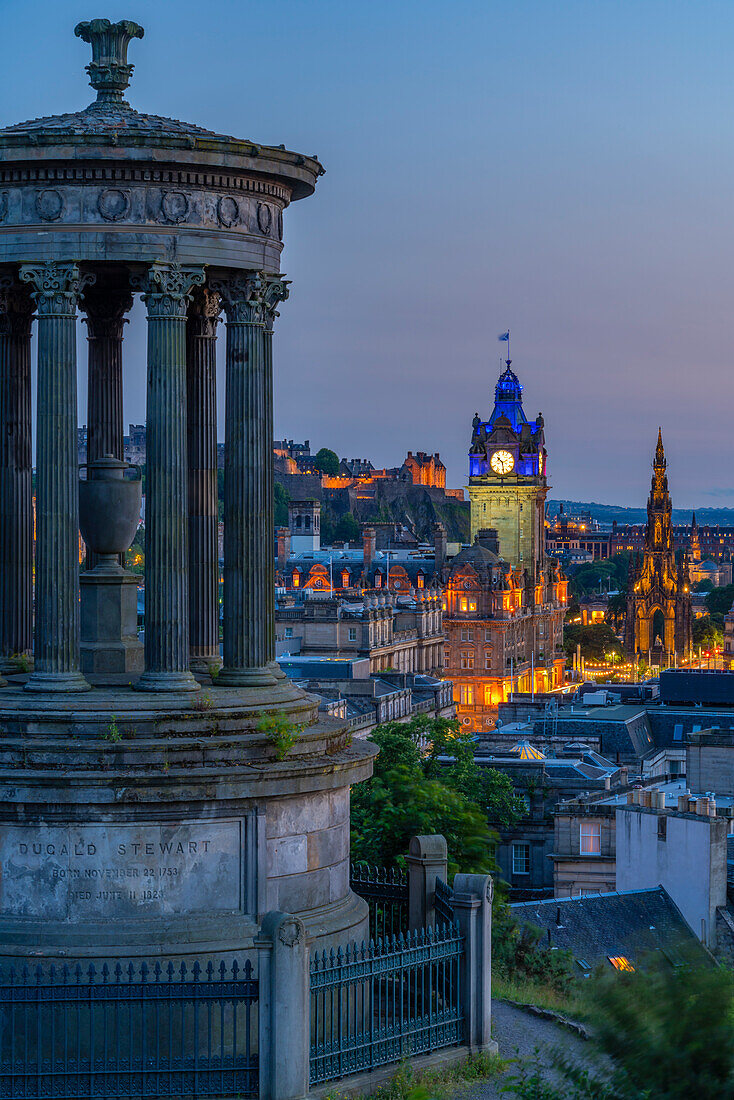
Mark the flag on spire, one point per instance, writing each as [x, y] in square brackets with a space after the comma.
[505, 336]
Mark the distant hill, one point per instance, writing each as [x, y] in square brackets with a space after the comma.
[607, 513]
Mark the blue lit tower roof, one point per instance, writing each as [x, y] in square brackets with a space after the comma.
[508, 399]
[508, 428]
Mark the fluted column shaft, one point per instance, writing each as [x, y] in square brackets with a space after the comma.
[166, 293]
[248, 627]
[16, 460]
[276, 291]
[55, 288]
[201, 397]
[105, 309]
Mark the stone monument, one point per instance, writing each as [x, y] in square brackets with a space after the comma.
[142, 814]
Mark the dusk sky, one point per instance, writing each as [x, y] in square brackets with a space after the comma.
[564, 170]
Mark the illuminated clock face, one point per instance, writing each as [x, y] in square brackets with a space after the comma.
[502, 462]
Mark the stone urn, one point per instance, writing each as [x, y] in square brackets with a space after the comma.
[109, 510]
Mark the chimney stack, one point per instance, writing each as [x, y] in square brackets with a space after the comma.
[439, 546]
[369, 545]
[284, 547]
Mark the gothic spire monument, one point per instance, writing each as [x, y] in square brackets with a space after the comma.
[658, 622]
[507, 476]
[165, 803]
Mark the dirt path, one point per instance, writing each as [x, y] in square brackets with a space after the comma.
[518, 1035]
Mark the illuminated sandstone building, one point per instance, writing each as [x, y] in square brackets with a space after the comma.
[658, 595]
[503, 600]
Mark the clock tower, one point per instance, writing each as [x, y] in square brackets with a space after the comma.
[507, 476]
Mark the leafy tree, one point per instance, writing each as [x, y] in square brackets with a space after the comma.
[708, 631]
[705, 585]
[411, 794]
[327, 462]
[664, 1035]
[347, 528]
[281, 496]
[617, 608]
[719, 600]
[608, 573]
[596, 641]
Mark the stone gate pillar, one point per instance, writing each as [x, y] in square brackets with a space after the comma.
[166, 293]
[201, 385]
[55, 288]
[248, 549]
[16, 499]
[105, 309]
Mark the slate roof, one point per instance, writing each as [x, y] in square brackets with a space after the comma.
[641, 925]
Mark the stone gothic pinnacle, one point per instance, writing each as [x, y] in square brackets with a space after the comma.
[660, 451]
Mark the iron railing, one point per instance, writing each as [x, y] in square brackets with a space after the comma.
[377, 1003]
[386, 892]
[129, 1031]
[443, 903]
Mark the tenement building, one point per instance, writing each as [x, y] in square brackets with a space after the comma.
[504, 601]
[658, 623]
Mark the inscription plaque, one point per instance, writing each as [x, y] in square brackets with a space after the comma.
[84, 872]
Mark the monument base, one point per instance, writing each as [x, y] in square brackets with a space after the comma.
[141, 826]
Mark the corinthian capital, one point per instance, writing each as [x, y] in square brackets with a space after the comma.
[276, 291]
[55, 287]
[243, 297]
[167, 288]
[105, 309]
[16, 307]
[204, 310]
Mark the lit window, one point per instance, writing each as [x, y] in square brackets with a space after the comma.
[420, 580]
[590, 843]
[466, 695]
[345, 580]
[296, 580]
[352, 633]
[378, 580]
[463, 604]
[619, 962]
[472, 605]
[488, 695]
[520, 859]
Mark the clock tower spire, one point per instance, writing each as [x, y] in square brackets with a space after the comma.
[507, 476]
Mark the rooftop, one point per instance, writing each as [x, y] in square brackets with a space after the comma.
[642, 926]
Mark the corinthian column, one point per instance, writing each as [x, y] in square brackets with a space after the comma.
[277, 291]
[248, 549]
[166, 293]
[16, 501]
[55, 288]
[105, 309]
[201, 397]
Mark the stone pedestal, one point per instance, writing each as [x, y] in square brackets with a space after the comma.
[111, 652]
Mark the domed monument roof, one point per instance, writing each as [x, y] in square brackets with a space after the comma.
[140, 187]
[110, 119]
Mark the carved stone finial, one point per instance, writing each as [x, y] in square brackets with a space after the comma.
[109, 71]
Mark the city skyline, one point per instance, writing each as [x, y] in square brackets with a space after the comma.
[570, 185]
